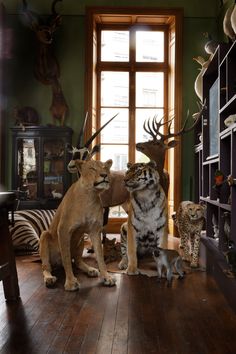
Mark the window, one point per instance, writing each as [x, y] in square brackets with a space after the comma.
[132, 62]
[131, 71]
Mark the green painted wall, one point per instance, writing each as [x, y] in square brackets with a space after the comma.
[23, 89]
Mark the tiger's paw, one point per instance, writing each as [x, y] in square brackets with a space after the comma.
[123, 263]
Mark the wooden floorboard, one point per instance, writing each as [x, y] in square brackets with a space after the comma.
[137, 316]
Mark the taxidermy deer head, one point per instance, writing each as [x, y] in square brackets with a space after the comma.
[47, 69]
[156, 148]
[44, 29]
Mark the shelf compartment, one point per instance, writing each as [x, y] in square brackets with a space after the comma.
[211, 160]
[216, 203]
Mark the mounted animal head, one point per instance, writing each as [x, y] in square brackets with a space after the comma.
[156, 148]
[44, 29]
[82, 151]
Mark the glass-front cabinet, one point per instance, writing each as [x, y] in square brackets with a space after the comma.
[40, 165]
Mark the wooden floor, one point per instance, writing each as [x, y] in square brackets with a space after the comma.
[137, 316]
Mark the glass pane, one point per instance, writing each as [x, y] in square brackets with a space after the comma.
[117, 212]
[117, 130]
[53, 152]
[141, 116]
[141, 135]
[118, 153]
[27, 167]
[149, 89]
[114, 88]
[149, 46]
[115, 46]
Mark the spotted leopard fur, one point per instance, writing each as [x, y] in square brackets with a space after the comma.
[189, 220]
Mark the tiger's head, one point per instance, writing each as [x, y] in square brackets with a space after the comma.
[141, 176]
[94, 174]
[195, 211]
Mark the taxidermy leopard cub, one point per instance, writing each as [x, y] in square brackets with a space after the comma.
[190, 221]
[147, 214]
[168, 259]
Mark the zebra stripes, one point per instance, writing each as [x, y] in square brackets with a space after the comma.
[28, 227]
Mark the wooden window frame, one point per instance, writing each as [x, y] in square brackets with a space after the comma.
[173, 18]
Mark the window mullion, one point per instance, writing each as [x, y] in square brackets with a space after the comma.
[132, 125]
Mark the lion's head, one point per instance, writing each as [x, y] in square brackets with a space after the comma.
[94, 174]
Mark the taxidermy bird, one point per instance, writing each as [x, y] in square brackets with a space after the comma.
[211, 44]
[198, 87]
[227, 24]
[233, 18]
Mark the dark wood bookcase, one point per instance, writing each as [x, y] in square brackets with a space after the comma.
[39, 165]
[215, 149]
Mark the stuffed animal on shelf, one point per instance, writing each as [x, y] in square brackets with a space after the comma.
[231, 119]
[211, 44]
[25, 116]
[227, 25]
[198, 84]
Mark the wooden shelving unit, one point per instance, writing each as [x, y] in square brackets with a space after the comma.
[217, 151]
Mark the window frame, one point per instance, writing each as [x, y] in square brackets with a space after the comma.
[96, 16]
[132, 67]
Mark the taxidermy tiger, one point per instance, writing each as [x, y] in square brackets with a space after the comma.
[147, 215]
[168, 259]
[79, 213]
[190, 219]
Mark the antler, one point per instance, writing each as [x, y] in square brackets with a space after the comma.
[154, 130]
[55, 19]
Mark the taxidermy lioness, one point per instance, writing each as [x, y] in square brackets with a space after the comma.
[79, 212]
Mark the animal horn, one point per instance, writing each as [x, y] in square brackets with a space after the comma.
[81, 133]
[53, 7]
[31, 18]
[97, 132]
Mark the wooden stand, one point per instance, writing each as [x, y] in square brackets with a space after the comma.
[8, 272]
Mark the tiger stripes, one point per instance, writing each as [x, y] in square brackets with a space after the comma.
[145, 228]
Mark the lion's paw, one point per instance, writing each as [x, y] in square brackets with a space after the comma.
[93, 272]
[72, 285]
[50, 281]
[109, 281]
[123, 264]
[132, 271]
